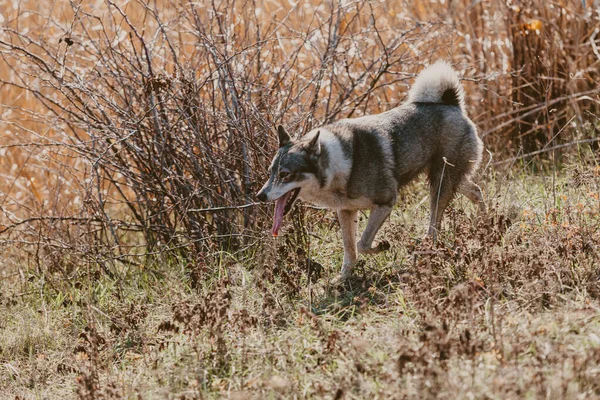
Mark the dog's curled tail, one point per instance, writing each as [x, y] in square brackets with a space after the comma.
[439, 84]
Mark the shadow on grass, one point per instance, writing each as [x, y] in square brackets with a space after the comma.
[366, 287]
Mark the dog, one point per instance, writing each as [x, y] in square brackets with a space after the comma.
[361, 163]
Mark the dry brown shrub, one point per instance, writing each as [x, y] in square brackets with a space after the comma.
[132, 128]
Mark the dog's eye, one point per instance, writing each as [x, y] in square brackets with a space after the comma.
[284, 175]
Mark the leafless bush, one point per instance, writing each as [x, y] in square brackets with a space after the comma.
[172, 113]
[147, 125]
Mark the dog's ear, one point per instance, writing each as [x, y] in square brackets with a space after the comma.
[284, 138]
[314, 146]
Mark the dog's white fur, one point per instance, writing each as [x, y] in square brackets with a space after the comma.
[433, 81]
[339, 164]
[332, 194]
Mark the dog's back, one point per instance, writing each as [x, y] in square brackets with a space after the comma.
[430, 132]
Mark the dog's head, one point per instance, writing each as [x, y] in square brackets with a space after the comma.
[294, 166]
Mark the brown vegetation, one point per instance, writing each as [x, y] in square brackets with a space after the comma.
[135, 261]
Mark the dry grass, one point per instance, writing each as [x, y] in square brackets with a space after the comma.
[132, 132]
[504, 306]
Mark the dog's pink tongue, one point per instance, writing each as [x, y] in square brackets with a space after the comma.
[278, 216]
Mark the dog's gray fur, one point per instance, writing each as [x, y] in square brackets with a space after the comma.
[362, 163]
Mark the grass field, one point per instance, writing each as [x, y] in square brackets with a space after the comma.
[135, 264]
[505, 305]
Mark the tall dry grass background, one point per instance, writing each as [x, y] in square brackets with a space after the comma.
[134, 134]
[134, 127]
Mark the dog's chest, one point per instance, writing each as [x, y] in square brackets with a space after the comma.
[335, 199]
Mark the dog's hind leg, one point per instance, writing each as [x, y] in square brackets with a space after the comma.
[473, 193]
[376, 217]
[348, 220]
[443, 180]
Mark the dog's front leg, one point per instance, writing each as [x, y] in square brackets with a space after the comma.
[348, 224]
[376, 218]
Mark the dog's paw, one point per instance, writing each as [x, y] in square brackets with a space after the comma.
[381, 246]
[364, 249]
[339, 280]
[384, 245]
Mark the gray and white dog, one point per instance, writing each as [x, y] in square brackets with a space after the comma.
[361, 163]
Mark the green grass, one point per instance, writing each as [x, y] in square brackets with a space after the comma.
[503, 306]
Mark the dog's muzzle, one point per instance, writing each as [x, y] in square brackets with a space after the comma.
[261, 196]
